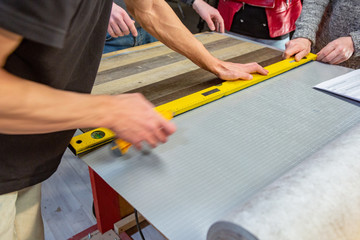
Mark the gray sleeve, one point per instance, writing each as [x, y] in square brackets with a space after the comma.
[310, 18]
[356, 40]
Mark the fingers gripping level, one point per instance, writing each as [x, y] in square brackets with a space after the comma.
[97, 137]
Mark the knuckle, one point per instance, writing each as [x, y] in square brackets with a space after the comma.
[136, 95]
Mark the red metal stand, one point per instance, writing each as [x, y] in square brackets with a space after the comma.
[106, 203]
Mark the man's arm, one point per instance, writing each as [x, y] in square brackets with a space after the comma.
[157, 17]
[27, 107]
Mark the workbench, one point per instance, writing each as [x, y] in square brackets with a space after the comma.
[226, 153]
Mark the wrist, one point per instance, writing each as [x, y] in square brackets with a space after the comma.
[215, 66]
[195, 5]
[98, 111]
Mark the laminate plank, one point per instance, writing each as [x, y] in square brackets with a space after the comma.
[124, 84]
[147, 51]
[194, 81]
[157, 61]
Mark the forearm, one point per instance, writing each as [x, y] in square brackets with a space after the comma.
[310, 18]
[158, 18]
[27, 107]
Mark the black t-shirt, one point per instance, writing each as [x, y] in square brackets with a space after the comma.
[62, 46]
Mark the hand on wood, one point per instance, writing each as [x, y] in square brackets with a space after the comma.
[237, 71]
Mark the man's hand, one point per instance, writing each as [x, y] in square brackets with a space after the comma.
[300, 47]
[337, 51]
[134, 120]
[210, 15]
[120, 23]
[236, 71]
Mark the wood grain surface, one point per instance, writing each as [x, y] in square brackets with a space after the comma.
[163, 75]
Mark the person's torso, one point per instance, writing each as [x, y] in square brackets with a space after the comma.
[61, 49]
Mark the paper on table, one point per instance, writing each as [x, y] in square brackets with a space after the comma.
[347, 85]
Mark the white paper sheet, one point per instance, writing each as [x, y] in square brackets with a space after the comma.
[347, 85]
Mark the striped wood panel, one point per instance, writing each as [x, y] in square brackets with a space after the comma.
[163, 75]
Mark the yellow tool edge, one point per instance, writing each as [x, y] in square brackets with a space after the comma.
[85, 142]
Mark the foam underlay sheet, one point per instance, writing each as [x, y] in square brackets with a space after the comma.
[214, 170]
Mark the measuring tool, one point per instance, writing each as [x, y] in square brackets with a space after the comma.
[97, 137]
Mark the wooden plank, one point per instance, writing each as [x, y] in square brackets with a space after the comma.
[157, 61]
[126, 223]
[125, 208]
[139, 53]
[128, 83]
[194, 81]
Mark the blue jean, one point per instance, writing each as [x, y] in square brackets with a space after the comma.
[280, 44]
[115, 44]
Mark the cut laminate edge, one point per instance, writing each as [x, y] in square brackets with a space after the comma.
[150, 60]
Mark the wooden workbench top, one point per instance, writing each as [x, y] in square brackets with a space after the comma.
[163, 75]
